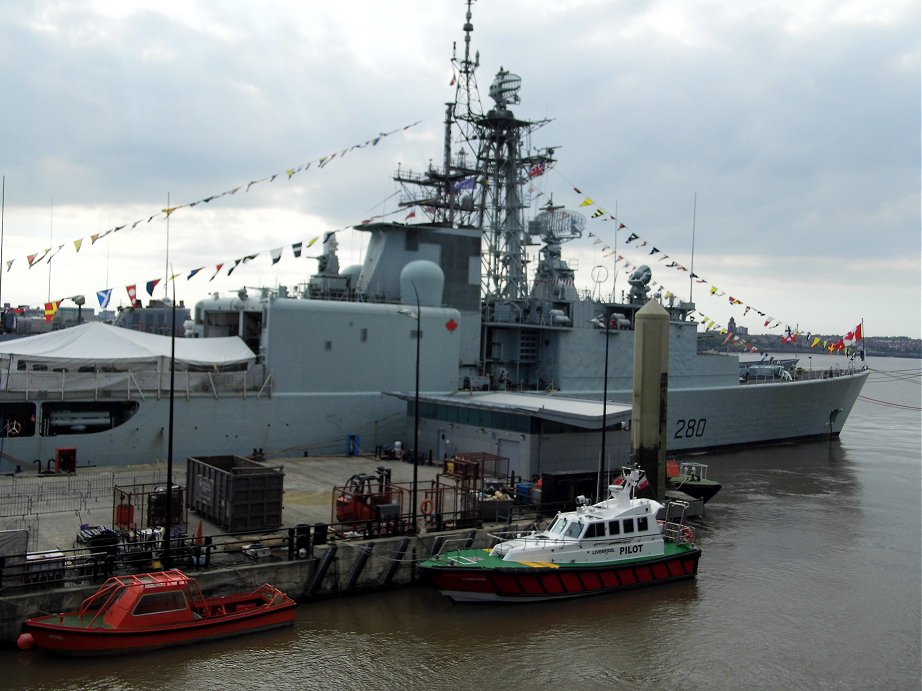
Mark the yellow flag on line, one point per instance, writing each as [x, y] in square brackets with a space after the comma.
[587, 202]
[51, 308]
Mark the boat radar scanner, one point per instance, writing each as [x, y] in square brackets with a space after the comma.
[422, 281]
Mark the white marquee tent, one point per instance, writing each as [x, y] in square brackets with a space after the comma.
[101, 345]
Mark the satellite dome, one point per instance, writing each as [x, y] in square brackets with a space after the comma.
[426, 278]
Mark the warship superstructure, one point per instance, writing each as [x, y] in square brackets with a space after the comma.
[322, 359]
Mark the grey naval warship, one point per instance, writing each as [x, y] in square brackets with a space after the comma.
[301, 371]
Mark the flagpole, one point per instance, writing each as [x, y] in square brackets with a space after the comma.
[691, 274]
[108, 247]
[614, 260]
[864, 351]
[50, 236]
[166, 267]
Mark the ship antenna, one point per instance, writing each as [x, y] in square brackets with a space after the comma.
[466, 80]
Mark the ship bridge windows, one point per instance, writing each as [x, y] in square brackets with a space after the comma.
[558, 526]
[627, 526]
[573, 529]
[566, 528]
[596, 529]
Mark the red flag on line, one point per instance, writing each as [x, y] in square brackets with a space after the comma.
[51, 309]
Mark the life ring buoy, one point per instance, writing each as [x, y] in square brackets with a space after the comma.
[399, 454]
[688, 533]
[426, 507]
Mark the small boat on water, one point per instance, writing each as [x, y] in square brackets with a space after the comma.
[615, 544]
[692, 479]
[155, 610]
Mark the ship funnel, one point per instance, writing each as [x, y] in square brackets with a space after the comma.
[422, 280]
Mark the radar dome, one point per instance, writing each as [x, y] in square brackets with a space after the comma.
[428, 280]
[352, 272]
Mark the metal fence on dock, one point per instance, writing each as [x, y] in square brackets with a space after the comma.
[24, 495]
[102, 553]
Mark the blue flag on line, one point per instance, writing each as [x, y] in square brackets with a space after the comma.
[104, 296]
[466, 184]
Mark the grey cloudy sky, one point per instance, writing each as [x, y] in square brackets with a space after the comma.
[795, 122]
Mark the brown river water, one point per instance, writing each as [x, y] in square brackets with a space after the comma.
[809, 578]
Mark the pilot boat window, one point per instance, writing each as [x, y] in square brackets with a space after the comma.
[574, 529]
[595, 530]
[154, 603]
[558, 526]
[641, 524]
[614, 527]
[628, 525]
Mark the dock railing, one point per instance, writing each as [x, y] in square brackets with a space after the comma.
[132, 384]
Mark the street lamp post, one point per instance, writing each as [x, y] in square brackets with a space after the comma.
[604, 409]
[419, 328]
[80, 300]
[419, 331]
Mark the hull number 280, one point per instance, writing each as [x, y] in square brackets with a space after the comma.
[692, 427]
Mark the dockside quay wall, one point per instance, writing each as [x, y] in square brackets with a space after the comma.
[343, 567]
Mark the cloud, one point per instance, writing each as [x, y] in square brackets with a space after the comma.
[796, 125]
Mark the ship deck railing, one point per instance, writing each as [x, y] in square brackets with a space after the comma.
[802, 374]
[134, 384]
[677, 533]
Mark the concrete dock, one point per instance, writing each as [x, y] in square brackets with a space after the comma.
[55, 506]
[60, 504]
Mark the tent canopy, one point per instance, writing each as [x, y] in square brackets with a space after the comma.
[95, 343]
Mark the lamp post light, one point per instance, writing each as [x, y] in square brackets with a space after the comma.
[80, 302]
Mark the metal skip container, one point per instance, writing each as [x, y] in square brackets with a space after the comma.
[235, 493]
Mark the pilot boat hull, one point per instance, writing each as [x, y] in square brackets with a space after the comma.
[490, 579]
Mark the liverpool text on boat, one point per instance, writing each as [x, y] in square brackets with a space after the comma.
[613, 545]
[156, 610]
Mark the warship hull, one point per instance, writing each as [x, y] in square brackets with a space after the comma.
[310, 423]
[440, 306]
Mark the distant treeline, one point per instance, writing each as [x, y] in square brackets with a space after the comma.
[890, 346]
